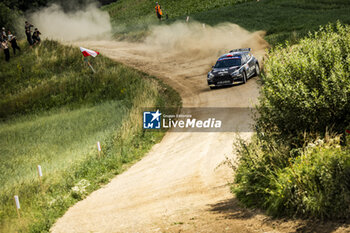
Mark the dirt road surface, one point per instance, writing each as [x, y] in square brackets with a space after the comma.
[178, 186]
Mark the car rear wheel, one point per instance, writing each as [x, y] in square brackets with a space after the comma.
[244, 77]
[257, 69]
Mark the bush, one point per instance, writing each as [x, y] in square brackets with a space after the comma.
[307, 86]
[9, 18]
[258, 162]
[287, 169]
[315, 183]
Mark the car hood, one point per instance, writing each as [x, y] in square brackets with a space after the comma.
[224, 70]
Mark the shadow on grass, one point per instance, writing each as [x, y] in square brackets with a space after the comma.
[233, 209]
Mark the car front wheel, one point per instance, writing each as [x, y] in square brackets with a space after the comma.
[257, 69]
[244, 77]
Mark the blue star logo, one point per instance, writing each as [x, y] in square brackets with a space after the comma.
[151, 120]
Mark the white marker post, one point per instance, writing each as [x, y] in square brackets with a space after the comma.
[40, 174]
[203, 25]
[99, 149]
[18, 206]
[187, 19]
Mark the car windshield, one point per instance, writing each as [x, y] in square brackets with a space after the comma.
[228, 63]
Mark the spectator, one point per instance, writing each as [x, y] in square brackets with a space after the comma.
[28, 31]
[13, 40]
[159, 11]
[5, 47]
[36, 37]
[3, 34]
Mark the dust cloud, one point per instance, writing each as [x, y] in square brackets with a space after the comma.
[88, 22]
[199, 40]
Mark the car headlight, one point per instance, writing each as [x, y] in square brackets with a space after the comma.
[210, 75]
[235, 73]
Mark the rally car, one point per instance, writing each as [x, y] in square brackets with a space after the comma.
[234, 67]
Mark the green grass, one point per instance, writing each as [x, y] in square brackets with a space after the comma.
[53, 110]
[131, 19]
[281, 19]
[43, 137]
[130, 11]
[52, 76]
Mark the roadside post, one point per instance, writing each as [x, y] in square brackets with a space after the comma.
[40, 174]
[99, 149]
[18, 206]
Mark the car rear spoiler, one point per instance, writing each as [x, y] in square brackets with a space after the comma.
[240, 50]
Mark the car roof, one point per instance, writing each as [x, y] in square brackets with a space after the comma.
[232, 55]
[235, 53]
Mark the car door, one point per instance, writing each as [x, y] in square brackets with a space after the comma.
[245, 64]
[251, 65]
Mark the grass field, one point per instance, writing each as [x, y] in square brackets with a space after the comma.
[43, 137]
[53, 110]
[131, 19]
[281, 19]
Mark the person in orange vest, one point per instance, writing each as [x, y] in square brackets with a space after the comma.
[159, 11]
